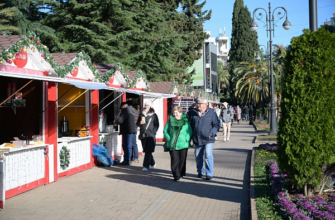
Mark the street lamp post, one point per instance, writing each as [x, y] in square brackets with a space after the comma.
[270, 23]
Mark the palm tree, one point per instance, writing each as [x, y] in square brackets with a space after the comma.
[279, 54]
[6, 15]
[249, 83]
[223, 76]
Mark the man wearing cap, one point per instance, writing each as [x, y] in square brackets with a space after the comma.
[126, 119]
[205, 124]
[226, 116]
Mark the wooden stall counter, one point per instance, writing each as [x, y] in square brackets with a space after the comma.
[80, 154]
[21, 169]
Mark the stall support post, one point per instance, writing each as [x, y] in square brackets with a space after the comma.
[51, 122]
[2, 181]
[165, 113]
[124, 97]
[94, 116]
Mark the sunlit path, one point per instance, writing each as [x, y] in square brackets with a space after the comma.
[121, 192]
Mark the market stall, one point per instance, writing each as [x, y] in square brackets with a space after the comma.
[24, 147]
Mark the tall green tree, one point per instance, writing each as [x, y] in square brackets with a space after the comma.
[6, 15]
[223, 76]
[243, 42]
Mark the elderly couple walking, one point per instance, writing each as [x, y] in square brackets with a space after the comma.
[199, 124]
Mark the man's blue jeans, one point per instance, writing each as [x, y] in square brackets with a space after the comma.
[134, 147]
[127, 144]
[209, 159]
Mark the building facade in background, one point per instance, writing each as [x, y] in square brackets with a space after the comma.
[206, 76]
[332, 21]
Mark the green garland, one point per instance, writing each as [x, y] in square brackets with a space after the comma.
[32, 41]
[64, 158]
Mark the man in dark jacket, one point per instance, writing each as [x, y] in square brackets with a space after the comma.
[205, 124]
[134, 156]
[126, 119]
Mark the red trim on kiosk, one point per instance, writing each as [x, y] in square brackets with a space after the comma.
[51, 125]
[14, 69]
[75, 170]
[2, 205]
[24, 188]
[165, 113]
[94, 118]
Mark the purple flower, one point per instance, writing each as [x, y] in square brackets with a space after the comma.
[282, 194]
[283, 175]
[299, 196]
[332, 196]
[274, 175]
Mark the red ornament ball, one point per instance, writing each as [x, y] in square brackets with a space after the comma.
[92, 64]
[42, 55]
[38, 41]
[32, 39]
[9, 61]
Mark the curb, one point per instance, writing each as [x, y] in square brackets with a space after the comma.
[252, 187]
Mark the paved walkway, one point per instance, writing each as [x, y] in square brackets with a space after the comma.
[128, 193]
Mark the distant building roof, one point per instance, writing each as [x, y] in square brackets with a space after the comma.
[161, 87]
[63, 58]
[7, 40]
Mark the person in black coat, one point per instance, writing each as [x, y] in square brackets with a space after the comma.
[126, 120]
[149, 124]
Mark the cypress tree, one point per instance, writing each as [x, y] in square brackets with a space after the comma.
[245, 41]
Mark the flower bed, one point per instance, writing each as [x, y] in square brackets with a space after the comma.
[277, 204]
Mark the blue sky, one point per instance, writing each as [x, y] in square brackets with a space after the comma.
[298, 15]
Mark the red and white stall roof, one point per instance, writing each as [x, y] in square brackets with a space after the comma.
[26, 56]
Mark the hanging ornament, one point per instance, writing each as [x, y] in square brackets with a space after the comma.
[1, 62]
[33, 49]
[24, 49]
[138, 80]
[92, 64]
[10, 55]
[18, 44]
[32, 39]
[42, 55]
[45, 47]
[14, 58]
[9, 61]
[118, 70]
[48, 58]
[38, 41]
[95, 72]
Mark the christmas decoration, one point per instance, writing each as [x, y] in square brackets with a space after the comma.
[1, 62]
[24, 49]
[32, 39]
[45, 47]
[42, 55]
[33, 49]
[64, 158]
[10, 55]
[38, 41]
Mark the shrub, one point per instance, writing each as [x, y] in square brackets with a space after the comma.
[307, 124]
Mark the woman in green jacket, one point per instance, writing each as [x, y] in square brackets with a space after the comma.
[178, 133]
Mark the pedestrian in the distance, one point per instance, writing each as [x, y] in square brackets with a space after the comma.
[149, 124]
[205, 124]
[233, 111]
[246, 113]
[134, 156]
[226, 116]
[127, 129]
[178, 134]
[238, 114]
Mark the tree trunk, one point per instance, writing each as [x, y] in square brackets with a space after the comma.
[308, 190]
[323, 182]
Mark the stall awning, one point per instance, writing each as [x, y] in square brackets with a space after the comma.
[34, 77]
[87, 85]
[156, 95]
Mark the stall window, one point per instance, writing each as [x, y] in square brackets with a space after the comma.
[20, 117]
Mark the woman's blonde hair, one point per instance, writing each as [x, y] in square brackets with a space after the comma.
[177, 108]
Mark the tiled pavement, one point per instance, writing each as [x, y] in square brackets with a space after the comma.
[128, 193]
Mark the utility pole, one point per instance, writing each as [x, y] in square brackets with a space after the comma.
[313, 15]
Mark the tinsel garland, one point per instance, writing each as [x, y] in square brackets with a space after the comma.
[64, 158]
[32, 42]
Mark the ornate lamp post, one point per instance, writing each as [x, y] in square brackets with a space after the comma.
[270, 23]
